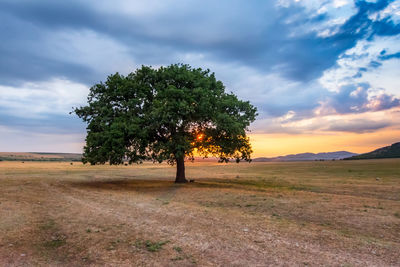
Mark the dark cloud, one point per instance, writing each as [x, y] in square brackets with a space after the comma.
[383, 101]
[322, 124]
[385, 27]
[25, 55]
[374, 64]
[34, 68]
[54, 15]
[303, 102]
[357, 126]
[257, 35]
[390, 56]
[49, 124]
[359, 73]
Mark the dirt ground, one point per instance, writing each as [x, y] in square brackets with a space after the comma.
[336, 213]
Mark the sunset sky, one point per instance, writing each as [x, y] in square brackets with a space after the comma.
[324, 74]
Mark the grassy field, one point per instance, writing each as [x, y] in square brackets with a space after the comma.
[37, 156]
[338, 213]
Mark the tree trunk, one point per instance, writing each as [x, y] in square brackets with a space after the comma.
[180, 170]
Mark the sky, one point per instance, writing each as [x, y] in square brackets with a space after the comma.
[324, 74]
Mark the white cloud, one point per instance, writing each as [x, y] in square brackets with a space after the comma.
[287, 117]
[392, 10]
[35, 100]
[354, 66]
[340, 3]
[337, 11]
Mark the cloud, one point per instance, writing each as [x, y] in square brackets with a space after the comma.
[356, 99]
[34, 142]
[390, 56]
[299, 62]
[42, 107]
[49, 124]
[357, 126]
[369, 61]
[33, 100]
[260, 36]
[366, 122]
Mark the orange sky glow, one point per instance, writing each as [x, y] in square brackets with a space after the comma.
[271, 145]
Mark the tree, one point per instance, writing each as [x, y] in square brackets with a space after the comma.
[165, 114]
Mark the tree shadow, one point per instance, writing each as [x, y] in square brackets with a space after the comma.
[162, 186]
[137, 185]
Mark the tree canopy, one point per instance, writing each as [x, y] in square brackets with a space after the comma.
[165, 114]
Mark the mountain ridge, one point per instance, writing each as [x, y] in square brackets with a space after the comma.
[392, 151]
[336, 155]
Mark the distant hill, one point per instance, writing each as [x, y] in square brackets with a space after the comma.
[38, 156]
[392, 151]
[309, 156]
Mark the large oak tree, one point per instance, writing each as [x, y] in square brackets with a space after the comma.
[165, 114]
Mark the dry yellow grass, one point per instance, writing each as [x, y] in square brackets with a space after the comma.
[340, 213]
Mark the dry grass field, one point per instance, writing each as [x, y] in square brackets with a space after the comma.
[336, 213]
[37, 156]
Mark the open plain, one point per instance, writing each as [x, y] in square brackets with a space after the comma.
[337, 213]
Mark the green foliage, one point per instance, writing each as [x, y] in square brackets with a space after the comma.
[154, 246]
[164, 114]
[178, 249]
[54, 243]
